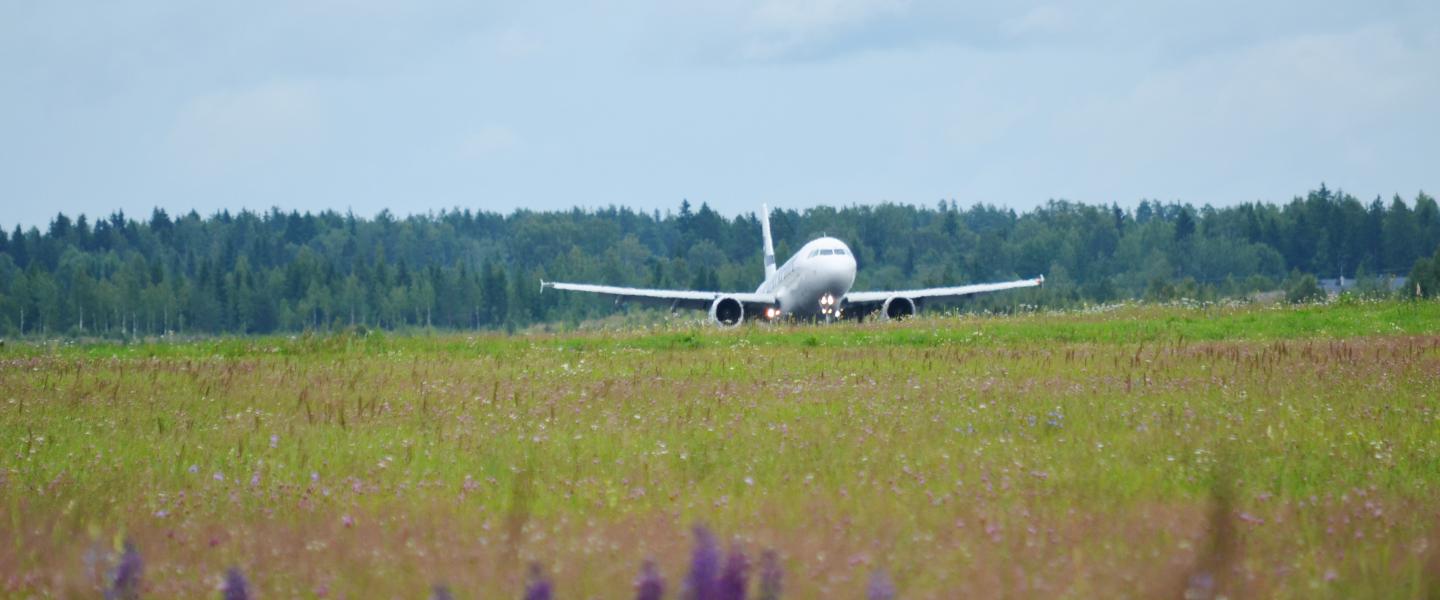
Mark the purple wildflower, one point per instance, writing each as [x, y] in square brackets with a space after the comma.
[880, 587]
[125, 584]
[235, 587]
[650, 585]
[441, 592]
[539, 586]
[1200, 585]
[770, 576]
[735, 579]
[702, 582]
[1055, 419]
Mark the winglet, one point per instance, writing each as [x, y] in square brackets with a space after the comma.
[544, 284]
[1040, 281]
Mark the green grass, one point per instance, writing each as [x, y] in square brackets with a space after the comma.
[1077, 454]
[1126, 324]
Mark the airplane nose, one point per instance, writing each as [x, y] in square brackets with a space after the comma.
[841, 272]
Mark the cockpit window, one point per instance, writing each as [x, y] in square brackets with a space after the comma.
[839, 252]
[826, 252]
[814, 252]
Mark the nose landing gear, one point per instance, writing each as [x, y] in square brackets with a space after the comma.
[829, 308]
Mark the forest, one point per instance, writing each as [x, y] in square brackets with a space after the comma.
[265, 272]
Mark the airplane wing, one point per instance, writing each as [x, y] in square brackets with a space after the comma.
[674, 298]
[941, 293]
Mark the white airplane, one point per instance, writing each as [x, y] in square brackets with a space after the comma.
[814, 283]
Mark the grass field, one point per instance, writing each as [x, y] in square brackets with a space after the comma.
[1128, 452]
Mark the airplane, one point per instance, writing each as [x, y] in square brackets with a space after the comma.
[813, 284]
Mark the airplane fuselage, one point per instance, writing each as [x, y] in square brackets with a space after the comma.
[814, 280]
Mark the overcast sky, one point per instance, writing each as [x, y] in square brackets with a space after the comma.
[429, 104]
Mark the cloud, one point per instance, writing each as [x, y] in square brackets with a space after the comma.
[1040, 20]
[1326, 82]
[515, 43]
[777, 28]
[761, 31]
[790, 31]
[811, 17]
[272, 121]
[302, 102]
[488, 140]
[1255, 121]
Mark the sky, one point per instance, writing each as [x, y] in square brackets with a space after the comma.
[424, 105]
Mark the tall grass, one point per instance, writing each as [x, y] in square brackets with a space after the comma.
[1033, 455]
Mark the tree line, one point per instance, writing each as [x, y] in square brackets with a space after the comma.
[264, 272]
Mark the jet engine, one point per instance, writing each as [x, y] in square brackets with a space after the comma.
[727, 311]
[897, 307]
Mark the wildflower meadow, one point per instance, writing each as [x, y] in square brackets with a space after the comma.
[1134, 451]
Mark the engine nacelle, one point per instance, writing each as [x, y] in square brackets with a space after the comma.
[727, 312]
[898, 307]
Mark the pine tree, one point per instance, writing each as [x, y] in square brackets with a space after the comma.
[1184, 225]
[1398, 241]
[18, 249]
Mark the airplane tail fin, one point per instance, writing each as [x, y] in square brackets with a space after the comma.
[769, 246]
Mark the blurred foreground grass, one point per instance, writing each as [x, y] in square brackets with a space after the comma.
[1044, 455]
